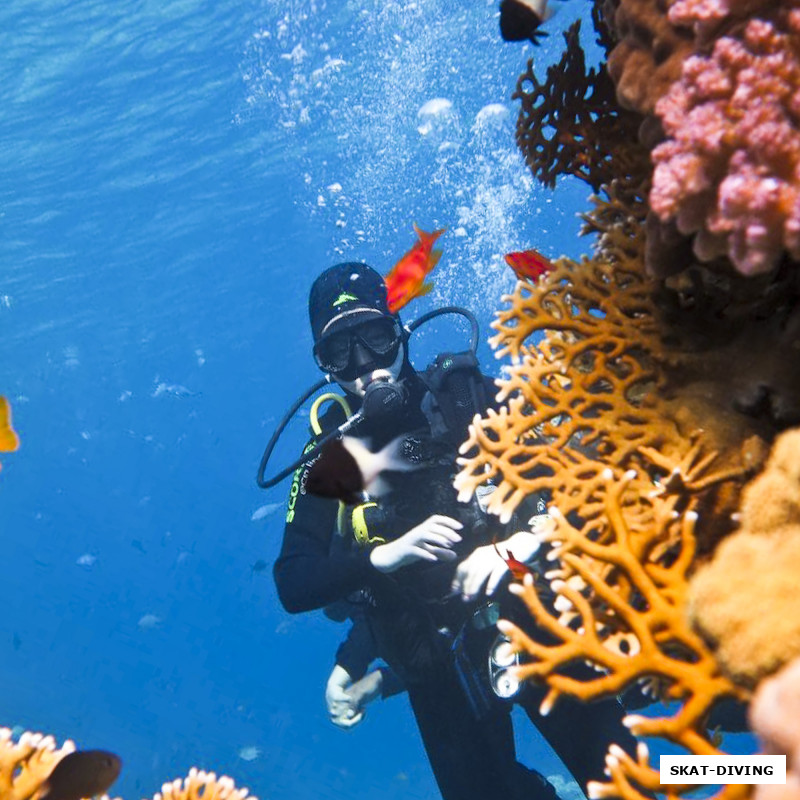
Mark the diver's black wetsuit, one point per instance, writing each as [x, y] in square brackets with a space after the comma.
[414, 623]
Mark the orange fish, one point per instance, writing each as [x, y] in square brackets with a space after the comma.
[406, 279]
[517, 568]
[8, 438]
[529, 265]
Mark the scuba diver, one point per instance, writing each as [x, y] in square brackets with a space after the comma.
[413, 565]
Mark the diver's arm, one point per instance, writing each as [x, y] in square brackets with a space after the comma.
[308, 575]
[358, 650]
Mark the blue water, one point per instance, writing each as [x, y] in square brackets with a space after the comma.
[172, 177]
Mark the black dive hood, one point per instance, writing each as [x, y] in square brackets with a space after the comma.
[383, 396]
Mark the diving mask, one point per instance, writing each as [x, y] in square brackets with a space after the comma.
[380, 337]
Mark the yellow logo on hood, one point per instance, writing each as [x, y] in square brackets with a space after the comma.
[343, 298]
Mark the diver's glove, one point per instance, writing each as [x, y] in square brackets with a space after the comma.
[431, 540]
[346, 700]
[486, 566]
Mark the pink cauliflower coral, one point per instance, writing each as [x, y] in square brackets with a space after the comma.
[706, 16]
[729, 169]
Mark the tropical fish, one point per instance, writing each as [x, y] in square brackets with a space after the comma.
[9, 441]
[83, 773]
[406, 279]
[521, 19]
[259, 566]
[346, 468]
[529, 265]
[517, 568]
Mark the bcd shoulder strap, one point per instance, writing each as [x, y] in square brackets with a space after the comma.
[456, 393]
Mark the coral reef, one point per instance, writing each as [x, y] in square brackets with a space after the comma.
[745, 602]
[729, 170]
[570, 125]
[601, 390]
[641, 402]
[26, 764]
[622, 414]
[647, 55]
[773, 716]
[631, 635]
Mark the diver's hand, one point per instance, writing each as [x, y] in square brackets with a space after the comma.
[431, 540]
[346, 700]
[341, 709]
[365, 690]
[486, 567]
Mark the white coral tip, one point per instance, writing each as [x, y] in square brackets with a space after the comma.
[607, 474]
[594, 790]
[632, 720]
[561, 604]
[691, 516]
[630, 474]
[616, 751]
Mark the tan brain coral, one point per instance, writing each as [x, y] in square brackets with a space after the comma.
[745, 602]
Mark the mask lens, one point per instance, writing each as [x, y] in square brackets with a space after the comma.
[379, 335]
[333, 352]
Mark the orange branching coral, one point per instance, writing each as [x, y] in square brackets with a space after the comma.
[593, 393]
[661, 644]
[608, 412]
[27, 763]
[570, 124]
[199, 785]
[745, 601]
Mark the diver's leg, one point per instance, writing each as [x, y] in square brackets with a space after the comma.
[580, 733]
[471, 759]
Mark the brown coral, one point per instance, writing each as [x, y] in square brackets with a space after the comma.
[648, 55]
[570, 124]
[745, 602]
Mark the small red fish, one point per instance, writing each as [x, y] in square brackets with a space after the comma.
[406, 279]
[529, 265]
[517, 568]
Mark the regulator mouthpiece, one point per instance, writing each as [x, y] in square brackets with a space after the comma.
[383, 397]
